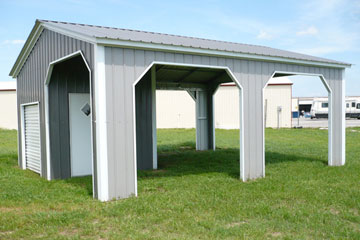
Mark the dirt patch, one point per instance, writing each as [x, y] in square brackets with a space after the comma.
[235, 224]
[161, 189]
[355, 226]
[334, 211]
[69, 232]
[6, 233]
[276, 234]
[354, 211]
[10, 209]
[186, 148]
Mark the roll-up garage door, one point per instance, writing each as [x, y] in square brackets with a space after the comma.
[32, 137]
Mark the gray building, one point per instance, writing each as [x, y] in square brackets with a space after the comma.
[86, 99]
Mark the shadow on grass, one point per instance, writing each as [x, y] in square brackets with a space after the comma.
[82, 182]
[276, 157]
[182, 159]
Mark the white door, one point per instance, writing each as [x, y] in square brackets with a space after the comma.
[80, 134]
[32, 138]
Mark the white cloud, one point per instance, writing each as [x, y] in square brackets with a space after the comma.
[309, 31]
[264, 35]
[14, 42]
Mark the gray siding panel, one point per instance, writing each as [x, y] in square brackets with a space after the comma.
[252, 75]
[30, 81]
[144, 139]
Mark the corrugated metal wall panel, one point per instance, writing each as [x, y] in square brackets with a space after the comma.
[30, 81]
[252, 75]
[32, 138]
[144, 123]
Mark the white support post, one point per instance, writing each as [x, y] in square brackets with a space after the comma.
[343, 123]
[101, 126]
[205, 132]
[337, 124]
[153, 106]
[242, 149]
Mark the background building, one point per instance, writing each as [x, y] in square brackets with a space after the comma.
[277, 106]
[8, 112]
[176, 109]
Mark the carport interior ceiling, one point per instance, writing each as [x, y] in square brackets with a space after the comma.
[191, 78]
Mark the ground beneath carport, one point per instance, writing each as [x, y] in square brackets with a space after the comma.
[195, 195]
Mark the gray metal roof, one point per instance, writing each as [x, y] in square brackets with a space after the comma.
[175, 40]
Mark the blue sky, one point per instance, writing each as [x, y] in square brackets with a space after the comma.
[325, 28]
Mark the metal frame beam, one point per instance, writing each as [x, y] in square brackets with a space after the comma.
[180, 86]
[187, 75]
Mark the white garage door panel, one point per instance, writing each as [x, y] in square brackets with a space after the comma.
[32, 138]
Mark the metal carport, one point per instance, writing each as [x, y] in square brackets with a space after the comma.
[119, 60]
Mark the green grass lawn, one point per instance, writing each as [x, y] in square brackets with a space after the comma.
[196, 195]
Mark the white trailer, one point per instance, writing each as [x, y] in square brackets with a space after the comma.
[352, 108]
[320, 107]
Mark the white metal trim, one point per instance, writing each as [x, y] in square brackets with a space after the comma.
[18, 136]
[22, 122]
[242, 144]
[47, 110]
[62, 59]
[343, 127]
[47, 132]
[91, 126]
[101, 126]
[330, 125]
[30, 103]
[234, 79]
[153, 103]
[213, 120]
[23, 149]
[331, 106]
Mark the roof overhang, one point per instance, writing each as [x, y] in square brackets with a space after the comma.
[40, 26]
[210, 52]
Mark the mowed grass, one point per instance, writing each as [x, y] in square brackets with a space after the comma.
[195, 195]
